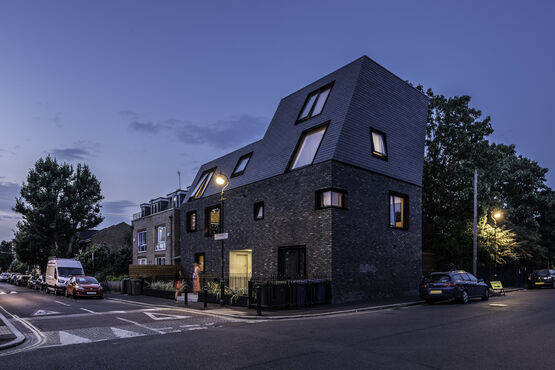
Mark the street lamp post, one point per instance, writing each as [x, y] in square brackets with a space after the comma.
[495, 216]
[223, 181]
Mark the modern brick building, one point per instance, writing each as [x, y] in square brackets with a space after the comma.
[332, 190]
[156, 231]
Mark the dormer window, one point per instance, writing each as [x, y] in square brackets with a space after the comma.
[202, 183]
[379, 144]
[308, 147]
[314, 103]
[241, 165]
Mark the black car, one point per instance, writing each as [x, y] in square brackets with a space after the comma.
[453, 285]
[541, 278]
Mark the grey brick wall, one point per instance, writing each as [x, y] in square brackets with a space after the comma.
[148, 223]
[355, 247]
[370, 259]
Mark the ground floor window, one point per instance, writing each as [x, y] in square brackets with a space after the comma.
[141, 261]
[292, 262]
[160, 260]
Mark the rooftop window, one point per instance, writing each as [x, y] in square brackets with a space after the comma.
[308, 147]
[241, 165]
[202, 183]
[315, 103]
[379, 144]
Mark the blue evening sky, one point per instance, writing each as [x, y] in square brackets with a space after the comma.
[141, 89]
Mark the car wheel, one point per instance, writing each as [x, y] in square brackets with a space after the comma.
[485, 297]
[464, 297]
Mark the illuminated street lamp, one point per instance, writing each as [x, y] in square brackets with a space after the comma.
[223, 181]
[495, 216]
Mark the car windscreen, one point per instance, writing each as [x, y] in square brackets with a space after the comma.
[86, 280]
[69, 271]
[542, 273]
[437, 279]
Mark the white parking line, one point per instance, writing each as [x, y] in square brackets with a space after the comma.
[89, 311]
[141, 325]
[62, 303]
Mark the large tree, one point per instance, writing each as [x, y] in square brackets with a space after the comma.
[456, 145]
[56, 203]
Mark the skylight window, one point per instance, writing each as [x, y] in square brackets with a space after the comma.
[315, 103]
[308, 147]
[202, 183]
[379, 144]
[241, 165]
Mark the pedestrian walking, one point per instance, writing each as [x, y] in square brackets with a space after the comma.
[196, 278]
[177, 284]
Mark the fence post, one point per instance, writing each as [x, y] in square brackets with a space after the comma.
[258, 299]
[205, 293]
[186, 294]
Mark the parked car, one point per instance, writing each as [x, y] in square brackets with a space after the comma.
[541, 278]
[59, 271]
[84, 286]
[13, 277]
[32, 282]
[453, 285]
[22, 280]
[4, 277]
[41, 283]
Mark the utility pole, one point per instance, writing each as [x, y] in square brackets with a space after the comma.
[179, 175]
[475, 233]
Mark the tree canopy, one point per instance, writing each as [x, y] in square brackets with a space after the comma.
[56, 203]
[457, 144]
[6, 255]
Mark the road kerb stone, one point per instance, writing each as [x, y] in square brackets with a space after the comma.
[19, 337]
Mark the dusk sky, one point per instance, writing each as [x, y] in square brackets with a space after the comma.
[139, 90]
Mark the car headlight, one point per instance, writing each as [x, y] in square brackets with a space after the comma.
[79, 287]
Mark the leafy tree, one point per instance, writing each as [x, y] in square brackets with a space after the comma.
[106, 262]
[56, 203]
[6, 255]
[456, 145]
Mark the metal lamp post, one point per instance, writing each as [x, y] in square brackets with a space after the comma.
[222, 180]
[495, 216]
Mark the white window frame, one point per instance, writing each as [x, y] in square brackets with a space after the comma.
[158, 260]
[302, 146]
[141, 261]
[141, 247]
[160, 242]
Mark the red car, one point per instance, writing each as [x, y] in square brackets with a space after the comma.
[83, 286]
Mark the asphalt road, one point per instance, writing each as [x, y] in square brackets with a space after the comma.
[515, 331]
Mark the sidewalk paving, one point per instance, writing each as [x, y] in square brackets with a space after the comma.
[9, 335]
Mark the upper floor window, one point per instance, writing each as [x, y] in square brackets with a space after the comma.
[331, 198]
[241, 165]
[212, 221]
[315, 103]
[308, 147]
[161, 236]
[379, 144]
[202, 183]
[259, 211]
[141, 241]
[191, 221]
[398, 211]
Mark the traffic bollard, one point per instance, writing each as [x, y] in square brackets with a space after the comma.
[186, 295]
[205, 293]
[258, 303]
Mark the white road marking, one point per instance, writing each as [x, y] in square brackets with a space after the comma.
[2, 292]
[121, 333]
[164, 316]
[66, 338]
[141, 325]
[498, 305]
[199, 328]
[62, 303]
[44, 312]
[89, 311]
[13, 292]
[190, 326]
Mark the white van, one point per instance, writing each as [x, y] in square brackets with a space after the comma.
[58, 273]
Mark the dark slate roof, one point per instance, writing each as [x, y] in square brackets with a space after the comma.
[364, 95]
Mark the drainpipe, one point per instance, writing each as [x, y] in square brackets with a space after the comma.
[171, 236]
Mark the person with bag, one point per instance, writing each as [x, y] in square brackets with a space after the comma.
[177, 285]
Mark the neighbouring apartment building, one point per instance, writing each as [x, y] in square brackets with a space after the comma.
[156, 231]
[332, 190]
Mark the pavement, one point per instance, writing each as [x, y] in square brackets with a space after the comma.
[10, 336]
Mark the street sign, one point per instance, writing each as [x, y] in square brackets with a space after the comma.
[496, 285]
[221, 236]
